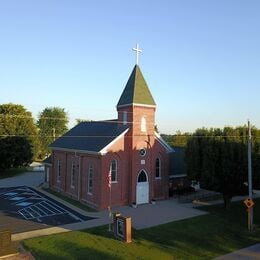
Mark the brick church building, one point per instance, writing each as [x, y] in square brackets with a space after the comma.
[128, 149]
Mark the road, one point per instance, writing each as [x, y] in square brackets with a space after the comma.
[32, 178]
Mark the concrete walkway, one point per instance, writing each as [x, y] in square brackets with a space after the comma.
[149, 215]
[143, 216]
[249, 253]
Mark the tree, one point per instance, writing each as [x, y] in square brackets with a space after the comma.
[52, 123]
[218, 158]
[79, 120]
[177, 140]
[15, 152]
[16, 121]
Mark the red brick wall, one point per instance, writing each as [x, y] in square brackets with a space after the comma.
[136, 139]
[126, 152]
[82, 163]
[119, 190]
[94, 198]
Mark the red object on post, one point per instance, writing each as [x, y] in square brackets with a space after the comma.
[249, 203]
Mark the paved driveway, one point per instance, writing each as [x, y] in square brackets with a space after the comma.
[24, 208]
[33, 179]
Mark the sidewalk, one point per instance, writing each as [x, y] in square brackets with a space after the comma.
[256, 194]
[143, 216]
[249, 253]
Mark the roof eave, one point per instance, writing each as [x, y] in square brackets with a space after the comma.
[75, 150]
[136, 104]
[168, 148]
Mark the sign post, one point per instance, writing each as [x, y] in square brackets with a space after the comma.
[249, 204]
[250, 187]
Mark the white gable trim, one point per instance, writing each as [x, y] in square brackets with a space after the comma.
[105, 149]
[163, 143]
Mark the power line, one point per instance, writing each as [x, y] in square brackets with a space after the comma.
[108, 136]
[81, 120]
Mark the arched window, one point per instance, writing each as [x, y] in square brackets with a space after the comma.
[142, 177]
[72, 176]
[113, 170]
[124, 117]
[157, 168]
[58, 171]
[90, 179]
[143, 124]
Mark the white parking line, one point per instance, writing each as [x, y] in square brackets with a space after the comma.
[35, 206]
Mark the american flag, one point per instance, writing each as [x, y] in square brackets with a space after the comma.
[109, 179]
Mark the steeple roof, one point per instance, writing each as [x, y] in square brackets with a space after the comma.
[136, 90]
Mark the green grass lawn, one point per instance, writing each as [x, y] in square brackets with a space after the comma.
[203, 237]
[13, 172]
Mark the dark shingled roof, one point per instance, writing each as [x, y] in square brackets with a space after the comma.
[90, 136]
[136, 90]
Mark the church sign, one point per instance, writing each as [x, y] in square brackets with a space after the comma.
[123, 228]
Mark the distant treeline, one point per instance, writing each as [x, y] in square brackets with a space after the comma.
[218, 158]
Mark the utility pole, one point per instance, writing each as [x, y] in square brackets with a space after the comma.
[250, 190]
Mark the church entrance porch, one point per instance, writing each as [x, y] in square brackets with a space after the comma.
[142, 188]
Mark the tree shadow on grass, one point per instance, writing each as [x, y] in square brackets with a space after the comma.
[204, 236]
[62, 249]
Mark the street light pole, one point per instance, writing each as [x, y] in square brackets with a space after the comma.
[250, 190]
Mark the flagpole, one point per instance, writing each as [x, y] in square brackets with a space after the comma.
[110, 214]
[109, 206]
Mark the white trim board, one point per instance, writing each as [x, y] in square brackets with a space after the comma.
[105, 149]
[163, 143]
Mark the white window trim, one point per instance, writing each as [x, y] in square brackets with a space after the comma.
[147, 180]
[71, 174]
[145, 152]
[116, 179]
[160, 169]
[58, 171]
[143, 124]
[124, 117]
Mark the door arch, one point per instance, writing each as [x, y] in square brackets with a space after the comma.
[142, 188]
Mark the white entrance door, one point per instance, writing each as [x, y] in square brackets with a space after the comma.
[142, 188]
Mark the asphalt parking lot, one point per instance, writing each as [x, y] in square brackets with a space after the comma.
[24, 209]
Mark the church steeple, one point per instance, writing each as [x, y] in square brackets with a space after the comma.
[136, 91]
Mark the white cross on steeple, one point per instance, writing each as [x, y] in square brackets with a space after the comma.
[137, 52]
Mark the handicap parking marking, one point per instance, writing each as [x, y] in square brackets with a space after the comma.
[17, 198]
[10, 193]
[32, 205]
[23, 204]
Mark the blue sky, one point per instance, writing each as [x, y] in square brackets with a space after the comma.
[201, 58]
